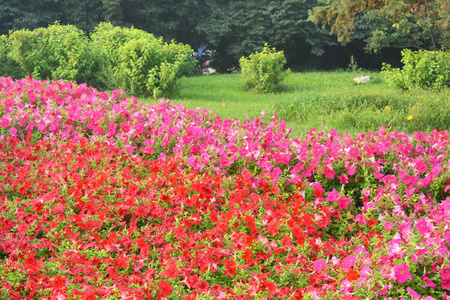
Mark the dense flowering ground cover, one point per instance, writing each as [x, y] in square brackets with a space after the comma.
[103, 198]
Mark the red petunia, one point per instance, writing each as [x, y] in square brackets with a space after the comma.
[166, 289]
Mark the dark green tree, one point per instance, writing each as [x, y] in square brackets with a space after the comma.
[239, 28]
[27, 14]
[170, 19]
[84, 14]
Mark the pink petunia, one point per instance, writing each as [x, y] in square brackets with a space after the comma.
[349, 262]
[361, 219]
[354, 152]
[420, 165]
[413, 293]
[343, 178]
[402, 273]
[13, 131]
[65, 135]
[329, 173]
[422, 227]
[445, 273]
[5, 121]
[343, 202]
[319, 264]
[447, 237]
[429, 282]
[388, 226]
[129, 149]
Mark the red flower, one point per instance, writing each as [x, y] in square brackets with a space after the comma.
[121, 262]
[165, 288]
[352, 275]
[247, 254]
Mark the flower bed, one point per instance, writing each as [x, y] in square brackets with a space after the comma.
[103, 198]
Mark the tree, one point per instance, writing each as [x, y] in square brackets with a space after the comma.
[395, 23]
[239, 28]
[29, 14]
[84, 14]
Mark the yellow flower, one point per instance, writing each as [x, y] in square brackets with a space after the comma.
[386, 107]
[409, 118]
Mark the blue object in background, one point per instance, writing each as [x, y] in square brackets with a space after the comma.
[201, 49]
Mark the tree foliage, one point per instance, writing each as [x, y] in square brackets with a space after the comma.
[239, 28]
[395, 23]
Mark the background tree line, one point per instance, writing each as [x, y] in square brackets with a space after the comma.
[373, 31]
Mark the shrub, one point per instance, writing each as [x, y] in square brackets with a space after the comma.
[425, 69]
[263, 71]
[56, 52]
[139, 62]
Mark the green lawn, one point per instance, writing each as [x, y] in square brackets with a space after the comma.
[319, 99]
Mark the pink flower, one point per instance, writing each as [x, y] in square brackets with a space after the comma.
[332, 196]
[429, 282]
[447, 237]
[388, 226]
[329, 173]
[354, 152]
[361, 219]
[445, 273]
[13, 131]
[402, 273]
[422, 227]
[349, 262]
[343, 178]
[365, 272]
[343, 202]
[129, 149]
[319, 264]
[413, 293]
[421, 166]
[395, 249]
[224, 162]
[65, 135]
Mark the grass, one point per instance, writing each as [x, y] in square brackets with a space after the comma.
[320, 100]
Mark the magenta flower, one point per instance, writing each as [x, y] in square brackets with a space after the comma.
[129, 149]
[361, 219]
[445, 273]
[413, 293]
[422, 227]
[343, 202]
[343, 178]
[349, 262]
[13, 131]
[319, 264]
[65, 135]
[429, 282]
[354, 152]
[447, 237]
[402, 273]
[421, 166]
[332, 196]
[388, 225]
[329, 173]
[5, 121]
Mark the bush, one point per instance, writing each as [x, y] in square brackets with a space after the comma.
[263, 71]
[425, 69]
[114, 58]
[56, 52]
[139, 62]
